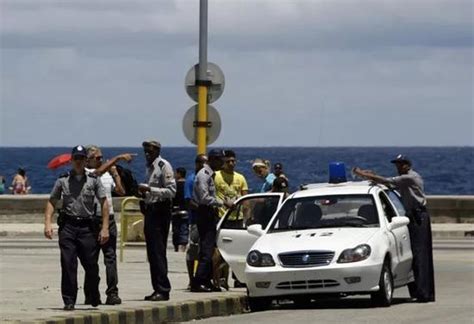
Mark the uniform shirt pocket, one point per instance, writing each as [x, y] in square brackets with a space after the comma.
[88, 194]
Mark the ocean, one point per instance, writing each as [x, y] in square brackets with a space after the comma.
[445, 170]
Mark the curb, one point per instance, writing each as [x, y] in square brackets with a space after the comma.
[452, 234]
[177, 312]
[438, 234]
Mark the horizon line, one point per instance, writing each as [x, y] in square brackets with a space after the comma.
[266, 146]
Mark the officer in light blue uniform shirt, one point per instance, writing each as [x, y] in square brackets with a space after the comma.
[157, 196]
[204, 196]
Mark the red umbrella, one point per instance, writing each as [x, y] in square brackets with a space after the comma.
[59, 160]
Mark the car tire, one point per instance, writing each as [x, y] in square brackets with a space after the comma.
[383, 297]
[258, 304]
[302, 301]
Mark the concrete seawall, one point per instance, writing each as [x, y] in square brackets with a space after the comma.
[30, 208]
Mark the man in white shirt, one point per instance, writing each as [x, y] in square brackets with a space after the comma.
[110, 179]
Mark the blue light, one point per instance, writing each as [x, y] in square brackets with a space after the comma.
[337, 172]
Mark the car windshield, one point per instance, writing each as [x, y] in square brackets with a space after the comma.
[326, 211]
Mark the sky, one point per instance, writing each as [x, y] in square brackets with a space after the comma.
[297, 73]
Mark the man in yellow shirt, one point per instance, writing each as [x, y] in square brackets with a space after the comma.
[230, 185]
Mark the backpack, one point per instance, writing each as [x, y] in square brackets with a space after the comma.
[129, 183]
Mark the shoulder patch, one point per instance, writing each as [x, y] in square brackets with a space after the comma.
[161, 164]
[206, 172]
[64, 175]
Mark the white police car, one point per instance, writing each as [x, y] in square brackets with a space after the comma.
[328, 239]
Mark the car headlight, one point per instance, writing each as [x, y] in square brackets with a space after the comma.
[257, 259]
[359, 253]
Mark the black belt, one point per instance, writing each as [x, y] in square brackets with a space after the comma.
[75, 220]
[160, 204]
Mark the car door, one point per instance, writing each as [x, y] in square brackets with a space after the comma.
[233, 240]
[402, 236]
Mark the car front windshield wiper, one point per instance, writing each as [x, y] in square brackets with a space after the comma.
[344, 224]
[281, 229]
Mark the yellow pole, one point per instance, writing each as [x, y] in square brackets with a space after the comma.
[202, 119]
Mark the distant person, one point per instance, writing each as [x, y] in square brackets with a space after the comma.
[157, 196]
[78, 235]
[2, 185]
[261, 168]
[192, 253]
[20, 184]
[410, 185]
[278, 171]
[180, 221]
[112, 182]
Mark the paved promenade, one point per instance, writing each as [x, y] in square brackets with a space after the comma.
[30, 285]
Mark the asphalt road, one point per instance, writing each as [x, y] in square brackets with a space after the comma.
[454, 271]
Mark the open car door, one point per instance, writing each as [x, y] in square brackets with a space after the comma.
[233, 240]
[402, 235]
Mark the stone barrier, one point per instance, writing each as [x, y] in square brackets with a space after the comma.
[30, 208]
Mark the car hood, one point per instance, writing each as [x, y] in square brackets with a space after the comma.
[333, 239]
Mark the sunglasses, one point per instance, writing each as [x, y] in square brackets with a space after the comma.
[78, 158]
[98, 158]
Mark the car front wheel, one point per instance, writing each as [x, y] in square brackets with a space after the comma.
[258, 304]
[384, 296]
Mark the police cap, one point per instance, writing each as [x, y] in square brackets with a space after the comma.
[151, 143]
[79, 151]
[215, 153]
[400, 158]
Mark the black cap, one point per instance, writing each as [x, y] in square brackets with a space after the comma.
[401, 159]
[79, 151]
[215, 153]
[278, 165]
[229, 153]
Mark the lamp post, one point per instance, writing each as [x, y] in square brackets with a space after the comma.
[202, 81]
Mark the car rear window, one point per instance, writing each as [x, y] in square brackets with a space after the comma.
[327, 211]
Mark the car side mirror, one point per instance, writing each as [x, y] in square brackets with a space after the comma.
[255, 229]
[398, 221]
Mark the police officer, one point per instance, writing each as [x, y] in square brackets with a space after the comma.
[78, 237]
[192, 253]
[410, 185]
[157, 197]
[204, 195]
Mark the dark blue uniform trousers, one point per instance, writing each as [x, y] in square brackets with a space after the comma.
[180, 224]
[78, 240]
[157, 226]
[206, 224]
[423, 288]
